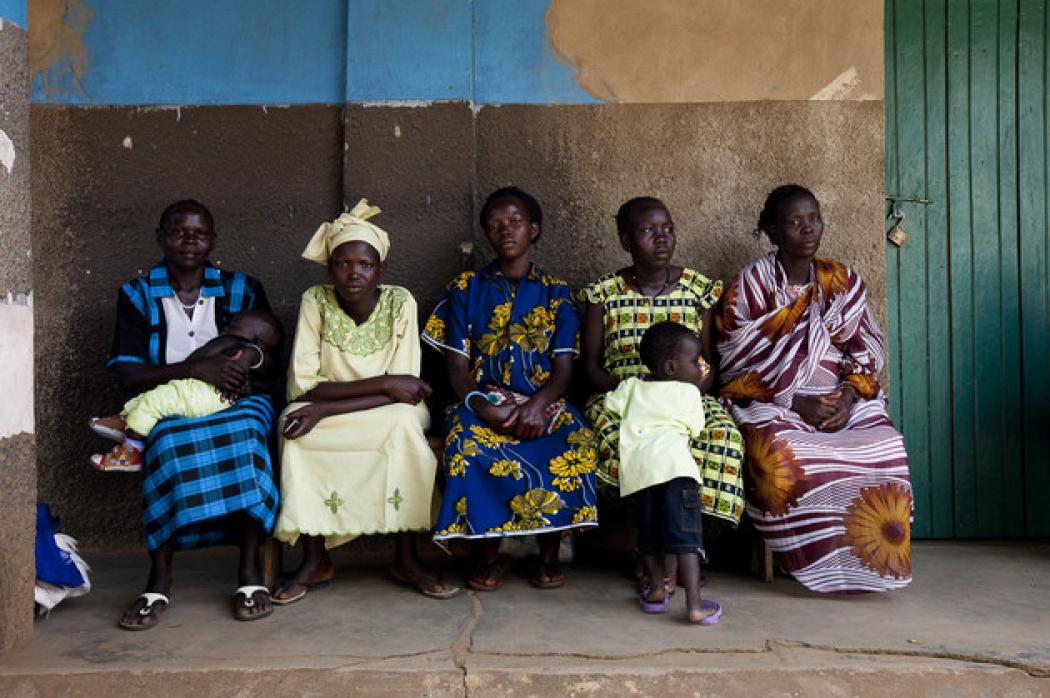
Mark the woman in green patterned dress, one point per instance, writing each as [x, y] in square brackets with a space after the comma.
[619, 308]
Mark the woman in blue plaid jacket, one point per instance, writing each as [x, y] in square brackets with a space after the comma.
[209, 479]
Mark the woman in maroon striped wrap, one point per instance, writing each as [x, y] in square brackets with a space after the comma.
[826, 472]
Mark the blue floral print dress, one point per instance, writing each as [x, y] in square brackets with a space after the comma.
[497, 485]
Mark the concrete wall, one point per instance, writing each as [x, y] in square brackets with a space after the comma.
[423, 106]
[17, 448]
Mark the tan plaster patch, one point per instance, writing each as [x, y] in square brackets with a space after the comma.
[718, 51]
[55, 45]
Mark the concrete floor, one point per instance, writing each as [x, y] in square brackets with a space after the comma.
[976, 621]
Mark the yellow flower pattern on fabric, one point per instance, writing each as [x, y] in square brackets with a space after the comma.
[566, 484]
[500, 316]
[564, 419]
[463, 280]
[585, 514]
[454, 431]
[457, 465]
[575, 462]
[581, 437]
[488, 438]
[435, 327]
[531, 506]
[539, 377]
[461, 506]
[529, 338]
[505, 467]
[492, 343]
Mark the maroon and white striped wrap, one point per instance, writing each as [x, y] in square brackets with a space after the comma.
[835, 507]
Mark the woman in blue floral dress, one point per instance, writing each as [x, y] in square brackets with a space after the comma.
[518, 459]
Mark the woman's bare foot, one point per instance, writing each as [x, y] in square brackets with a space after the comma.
[316, 570]
[301, 581]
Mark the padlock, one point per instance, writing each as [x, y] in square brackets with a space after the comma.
[896, 235]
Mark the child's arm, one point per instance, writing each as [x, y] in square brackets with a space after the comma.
[224, 345]
[694, 413]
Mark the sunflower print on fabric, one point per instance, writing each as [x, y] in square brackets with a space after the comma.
[878, 529]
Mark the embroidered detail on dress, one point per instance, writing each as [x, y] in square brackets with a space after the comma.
[334, 501]
[339, 329]
[396, 499]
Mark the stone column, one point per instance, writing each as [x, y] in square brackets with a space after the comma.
[17, 442]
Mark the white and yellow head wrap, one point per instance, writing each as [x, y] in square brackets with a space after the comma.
[349, 227]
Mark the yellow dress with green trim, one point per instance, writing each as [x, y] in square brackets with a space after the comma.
[361, 472]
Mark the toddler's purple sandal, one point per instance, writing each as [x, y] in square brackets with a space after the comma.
[652, 607]
[709, 605]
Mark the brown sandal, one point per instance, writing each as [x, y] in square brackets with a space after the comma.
[489, 577]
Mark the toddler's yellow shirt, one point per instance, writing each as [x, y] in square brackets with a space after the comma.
[657, 420]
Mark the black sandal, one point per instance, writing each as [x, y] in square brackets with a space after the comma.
[152, 609]
[244, 598]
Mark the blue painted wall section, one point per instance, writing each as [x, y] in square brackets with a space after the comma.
[13, 11]
[409, 50]
[206, 52]
[185, 52]
[514, 62]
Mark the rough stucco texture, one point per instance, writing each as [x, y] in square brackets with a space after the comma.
[101, 177]
[17, 452]
[696, 51]
[417, 165]
[15, 260]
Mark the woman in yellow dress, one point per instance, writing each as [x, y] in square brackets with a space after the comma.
[354, 456]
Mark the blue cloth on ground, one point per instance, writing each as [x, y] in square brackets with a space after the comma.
[53, 565]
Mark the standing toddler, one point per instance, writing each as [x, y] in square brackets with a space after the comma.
[659, 415]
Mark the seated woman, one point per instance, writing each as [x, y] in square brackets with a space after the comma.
[206, 479]
[354, 457]
[518, 459]
[828, 483]
[618, 309]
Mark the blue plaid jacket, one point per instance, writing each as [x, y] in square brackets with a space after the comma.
[141, 331]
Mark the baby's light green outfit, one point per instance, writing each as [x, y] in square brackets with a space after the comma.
[184, 397]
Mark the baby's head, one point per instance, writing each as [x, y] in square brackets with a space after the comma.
[671, 352]
[257, 326]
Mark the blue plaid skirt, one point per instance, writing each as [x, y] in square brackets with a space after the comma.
[199, 470]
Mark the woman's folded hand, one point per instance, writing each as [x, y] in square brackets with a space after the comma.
[406, 388]
[532, 419]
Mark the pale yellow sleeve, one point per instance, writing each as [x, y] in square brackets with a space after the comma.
[694, 415]
[407, 352]
[304, 368]
[616, 400]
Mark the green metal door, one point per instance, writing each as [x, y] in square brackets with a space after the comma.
[969, 327]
